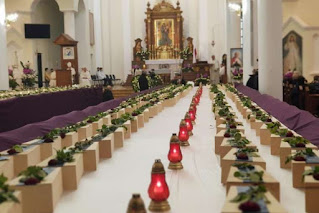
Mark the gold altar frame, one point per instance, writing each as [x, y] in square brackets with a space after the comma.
[160, 12]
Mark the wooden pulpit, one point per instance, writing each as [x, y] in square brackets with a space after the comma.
[63, 78]
[69, 54]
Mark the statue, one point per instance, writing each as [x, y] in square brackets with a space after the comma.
[137, 49]
[190, 44]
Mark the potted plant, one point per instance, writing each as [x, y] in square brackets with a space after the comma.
[249, 200]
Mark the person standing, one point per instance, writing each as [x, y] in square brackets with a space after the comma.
[253, 80]
[107, 94]
[47, 77]
[85, 77]
[73, 73]
[143, 82]
[214, 71]
[52, 78]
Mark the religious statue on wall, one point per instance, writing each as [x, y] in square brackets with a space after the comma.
[190, 44]
[292, 52]
[137, 49]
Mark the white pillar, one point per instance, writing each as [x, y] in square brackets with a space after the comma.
[69, 23]
[98, 34]
[4, 78]
[315, 70]
[204, 44]
[127, 40]
[247, 39]
[270, 47]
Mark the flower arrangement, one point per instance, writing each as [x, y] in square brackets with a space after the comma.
[201, 79]
[29, 78]
[153, 81]
[300, 155]
[237, 74]
[36, 91]
[144, 54]
[186, 54]
[12, 81]
[32, 175]
[187, 68]
[250, 199]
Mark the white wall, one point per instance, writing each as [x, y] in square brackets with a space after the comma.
[4, 80]
[47, 12]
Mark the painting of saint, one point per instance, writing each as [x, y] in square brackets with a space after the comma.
[292, 52]
[164, 32]
[237, 57]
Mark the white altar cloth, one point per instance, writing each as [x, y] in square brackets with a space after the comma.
[164, 61]
[196, 188]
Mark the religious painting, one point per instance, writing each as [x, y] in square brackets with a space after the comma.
[236, 55]
[164, 32]
[292, 52]
[68, 53]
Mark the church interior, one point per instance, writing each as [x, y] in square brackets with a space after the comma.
[159, 106]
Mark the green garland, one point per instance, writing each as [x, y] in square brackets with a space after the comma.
[152, 82]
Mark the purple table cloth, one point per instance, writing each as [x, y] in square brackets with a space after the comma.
[17, 112]
[34, 130]
[298, 120]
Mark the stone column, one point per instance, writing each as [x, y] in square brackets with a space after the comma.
[270, 47]
[69, 23]
[4, 77]
[315, 68]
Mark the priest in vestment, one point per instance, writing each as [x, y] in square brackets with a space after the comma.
[214, 71]
[85, 78]
[53, 78]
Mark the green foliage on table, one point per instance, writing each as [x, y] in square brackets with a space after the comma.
[79, 147]
[125, 117]
[18, 148]
[255, 193]
[296, 140]
[253, 176]
[238, 141]
[244, 166]
[214, 89]
[64, 156]
[251, 152]
[304, 153]
[6, 194]
[33, 172]
[313, 171]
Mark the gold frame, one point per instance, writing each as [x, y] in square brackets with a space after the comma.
[156, 30]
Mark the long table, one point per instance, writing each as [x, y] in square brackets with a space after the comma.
[34, 130]
[298, 120]
[17, 112]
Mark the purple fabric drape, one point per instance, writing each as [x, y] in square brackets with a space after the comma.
[34, 130]
[17, 112]
[298, 120]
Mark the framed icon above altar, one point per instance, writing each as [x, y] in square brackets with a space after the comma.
[164, 31]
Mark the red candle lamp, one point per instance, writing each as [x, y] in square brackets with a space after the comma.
[175, 154]
[189, 124]
[194, 107]
[136, 205]
[183, 134]
[158, 190]
[192, 114]
[196, 100]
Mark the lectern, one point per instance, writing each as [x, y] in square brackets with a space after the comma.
[69, 53]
